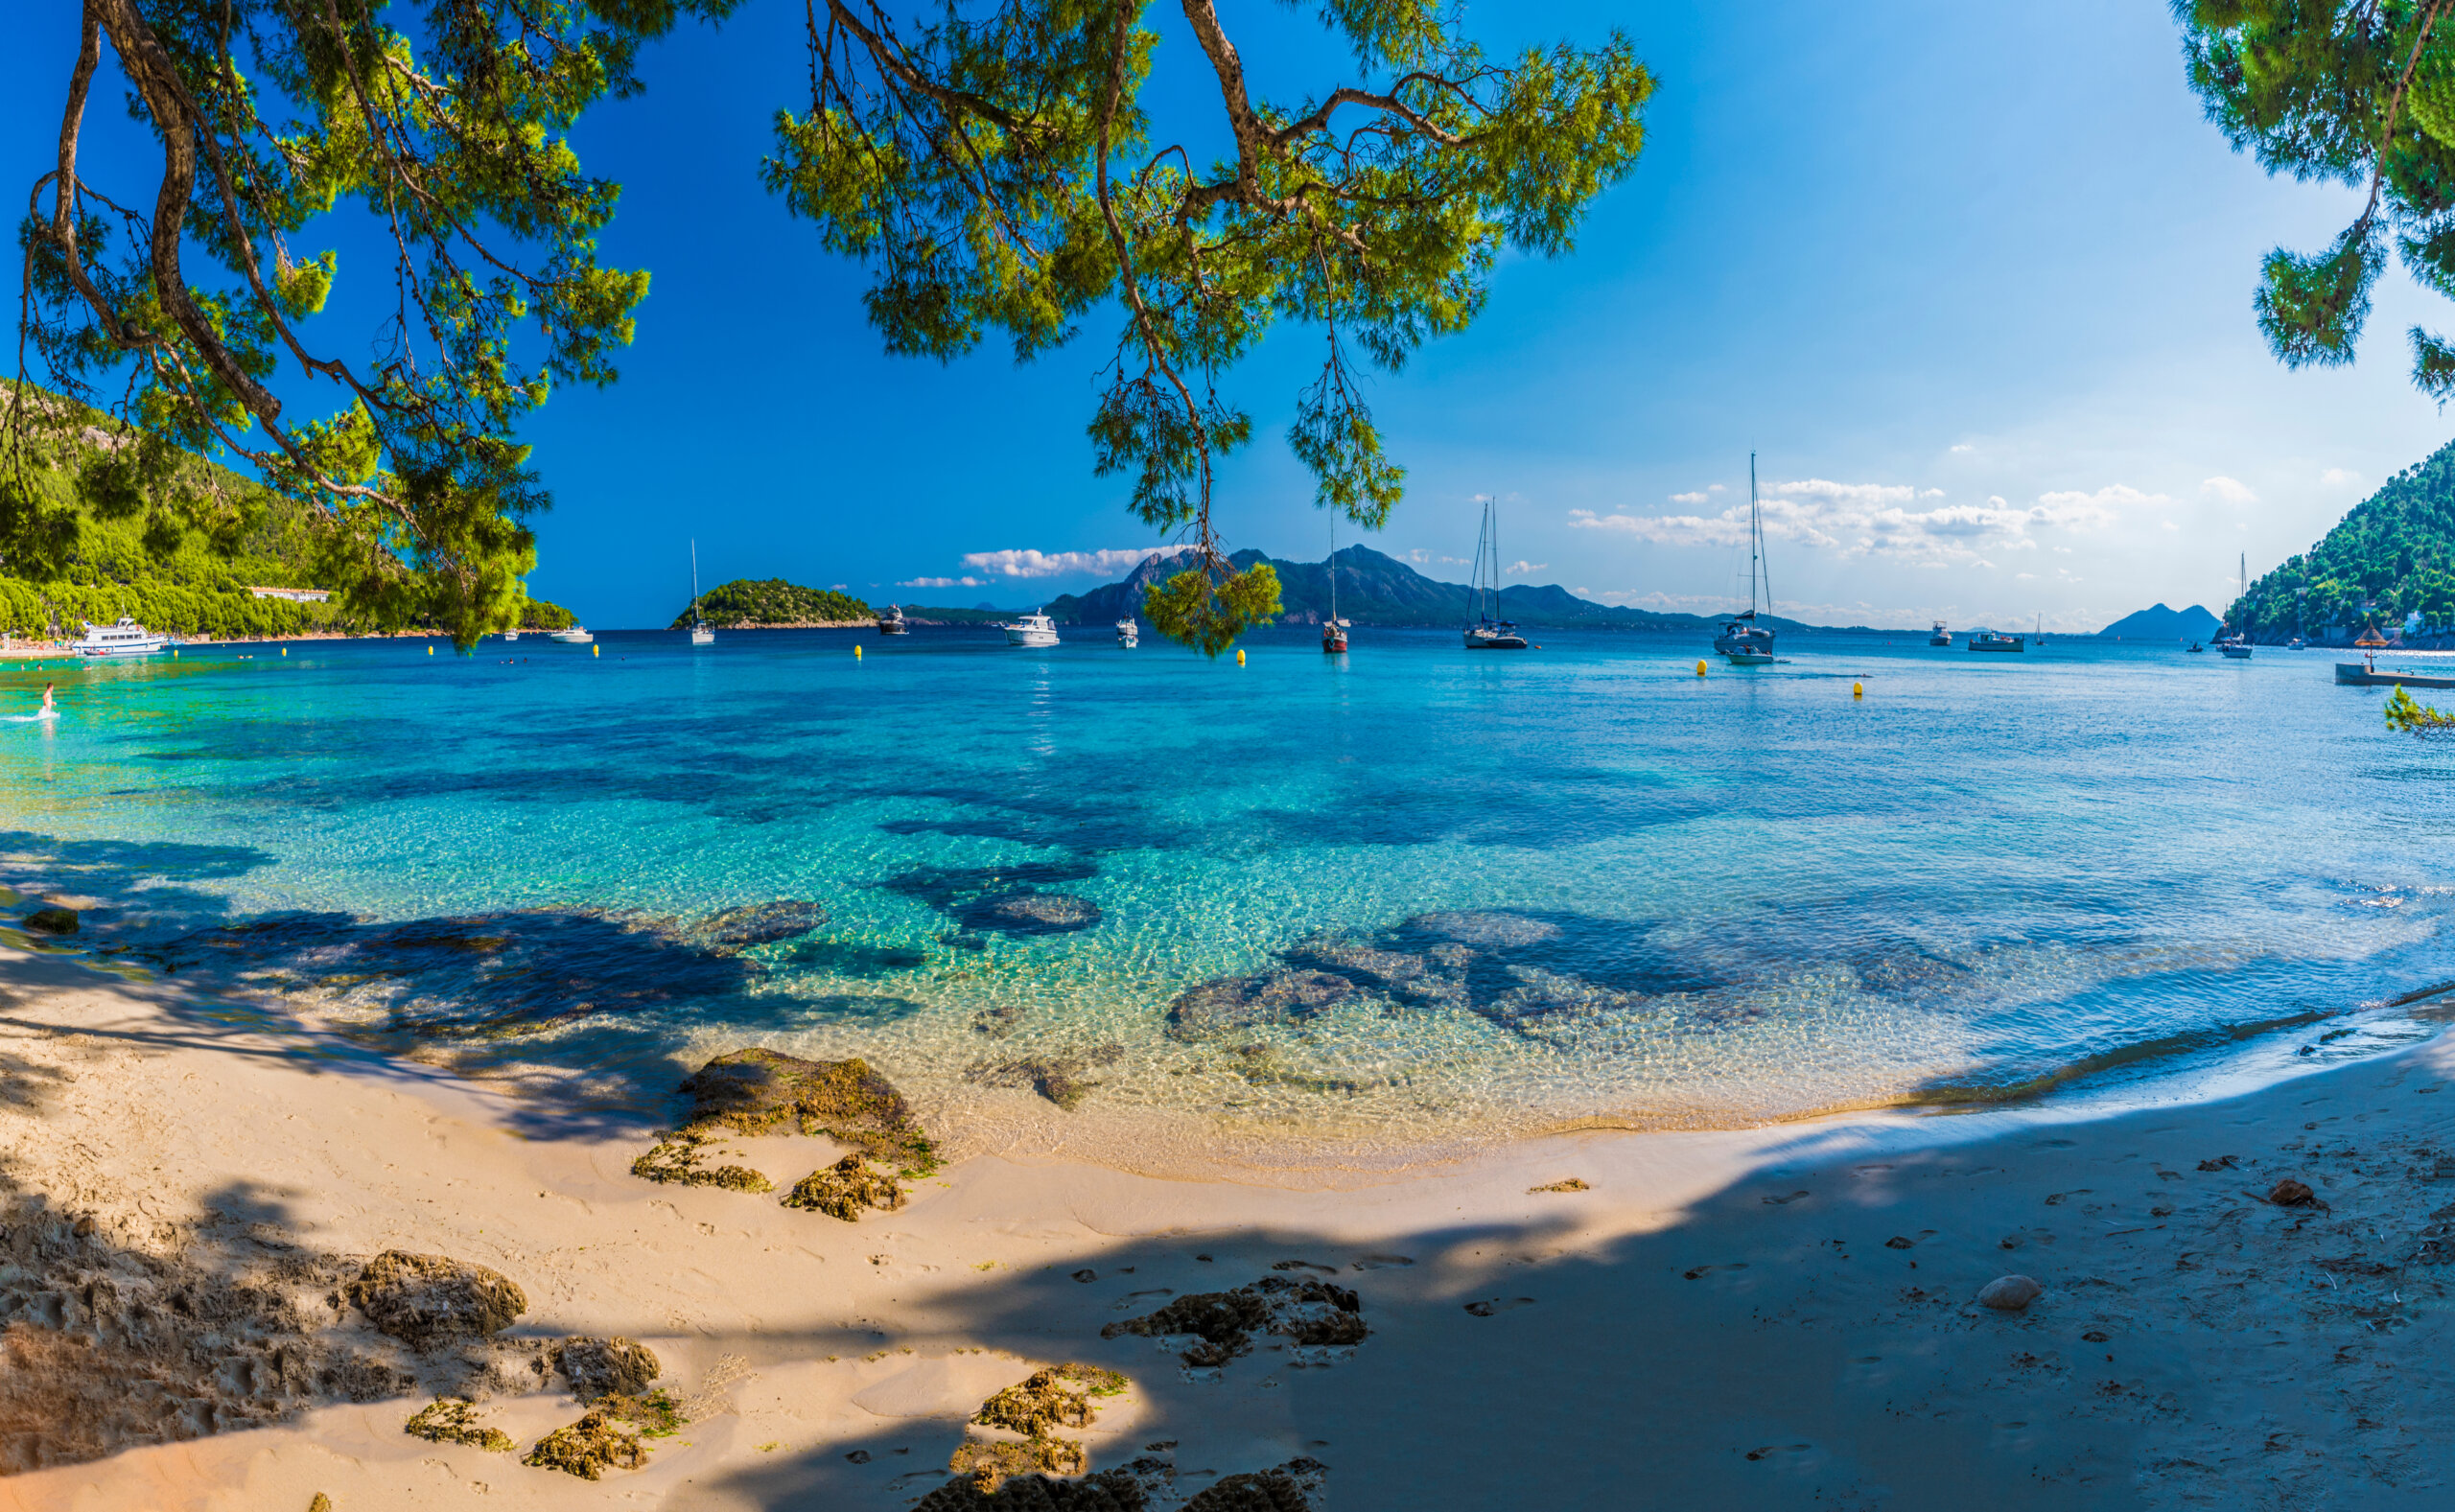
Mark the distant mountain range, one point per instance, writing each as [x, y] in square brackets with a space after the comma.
[2160, 624]
[1382, 591]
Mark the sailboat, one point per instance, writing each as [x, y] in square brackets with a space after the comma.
[700, 633]
[2238, 645]
[1487, 632]
[1742, 640]
[1334, 629]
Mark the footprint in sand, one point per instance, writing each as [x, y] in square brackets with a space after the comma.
[1133, 1299]
[1305, 1264]
[1770, 1450]
[1498, 1304]
[1378, 1262]
[1701, 1271]
[1777, 1201]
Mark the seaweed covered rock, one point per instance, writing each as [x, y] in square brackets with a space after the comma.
[1110, 1490]
[1282, 1490]
[604, 1367]
[429, 1300]
[676, 1159]
[450, 1420]
[598, 1442]
[1233, 1004]
[1223, 1323]
[991, 1461]
[760, 1091]
[1058, 1397]
[52, 921]
[845, 1188]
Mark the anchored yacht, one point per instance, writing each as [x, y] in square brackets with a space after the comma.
[1034, 629]
[126, 638]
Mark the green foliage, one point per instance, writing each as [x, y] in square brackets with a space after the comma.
[747, 601]
[1207, 611]
[2360, 92]
[2412, 716]
[112, 554]
[2391, 554]
[267, 117]
[995, 163]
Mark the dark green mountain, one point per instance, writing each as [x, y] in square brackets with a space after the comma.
[1377, 590]
[774, 604]
[2391, 557]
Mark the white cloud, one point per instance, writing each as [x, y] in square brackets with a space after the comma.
[943, 582]
[1521, 568]
[1712, 488]
[1965, 446]
[2232, 490]
[1696, 497]
[1881, 520]
[1423, 558]
[1057, 563]
[2339, 478]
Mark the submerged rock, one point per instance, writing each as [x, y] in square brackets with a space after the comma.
[1289, 1488]
[429, 1300]
[52, 921]
[845, 1188]
[1059, 1080]
[2289, 1193]
[1233, 1004]
[450, 1420]
[598, 1442]
[2010, 1293]
[1223, 1323]
[761, 923]
[604, 1367]
[1032, 914]
[1511, 930]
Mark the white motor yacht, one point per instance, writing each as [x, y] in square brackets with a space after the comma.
[575, 636]
[1129, 631]
[1034, 629]
[126, 638]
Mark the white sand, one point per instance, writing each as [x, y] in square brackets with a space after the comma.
[2253, 1355]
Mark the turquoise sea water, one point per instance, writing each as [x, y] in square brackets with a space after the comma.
[1408, 894]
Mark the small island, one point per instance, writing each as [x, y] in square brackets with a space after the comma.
[774, 604]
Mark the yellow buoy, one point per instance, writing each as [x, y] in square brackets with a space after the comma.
[1857, 691]
[856, 653]
[1240, 656]
[284, 650]
[430, 650]
[593, 650]
[1700, 666]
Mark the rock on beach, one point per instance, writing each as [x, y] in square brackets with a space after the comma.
[427, 1300]
[2010, 1293]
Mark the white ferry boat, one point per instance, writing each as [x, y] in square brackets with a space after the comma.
[1031, 630]
[126, 637]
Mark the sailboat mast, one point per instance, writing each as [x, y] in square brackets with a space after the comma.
[1756, 545]
[1334, 570]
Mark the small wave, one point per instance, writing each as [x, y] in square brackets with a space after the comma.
[1965, 1095]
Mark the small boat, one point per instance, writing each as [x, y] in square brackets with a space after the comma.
[1941, 635]
[2297, 643]
[2235, 647]
[511, 634]
[700, 633]
[891, 623]
[575, 636]
[1743, 641]
[2196, 649]
[2238, 645]
[124, 637]
[1034, 629]
[1129, 631]
[1489, 632]
[2366, 674]
[1334, 629]
[1995, 640]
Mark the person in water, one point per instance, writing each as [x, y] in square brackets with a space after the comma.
[47, 708]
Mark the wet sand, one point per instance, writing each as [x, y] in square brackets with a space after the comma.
[1768, 1318]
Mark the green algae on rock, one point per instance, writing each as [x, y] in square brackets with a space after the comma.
[604, 1367]
[1288, 1488]
[598, 1442]
[990, 1462]
[676, 1159]
[845, 1188]
[1057, 1397]
[429, 1300]
[450, 1420]
[758, 1091]
[52, 921]
[1110, 1490]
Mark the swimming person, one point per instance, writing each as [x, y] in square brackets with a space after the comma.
[48, 711]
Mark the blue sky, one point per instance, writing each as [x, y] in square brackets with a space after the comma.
[1974, 281]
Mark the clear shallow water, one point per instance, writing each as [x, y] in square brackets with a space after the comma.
[1410, 894]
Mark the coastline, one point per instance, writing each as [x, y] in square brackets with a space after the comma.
[1722, 1310]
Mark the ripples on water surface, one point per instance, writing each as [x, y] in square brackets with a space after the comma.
[1403, 895]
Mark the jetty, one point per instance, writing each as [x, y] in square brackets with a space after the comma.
[2352, 674]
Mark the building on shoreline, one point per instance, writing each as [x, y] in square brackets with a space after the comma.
[296, 595]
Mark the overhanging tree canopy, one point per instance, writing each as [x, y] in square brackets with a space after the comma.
[993, 161]
[2361, 92]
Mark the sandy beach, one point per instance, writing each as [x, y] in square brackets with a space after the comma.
[1782, 1317]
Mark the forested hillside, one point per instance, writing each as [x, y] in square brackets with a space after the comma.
[2391, 557]
[772, 603]
[180, 581]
